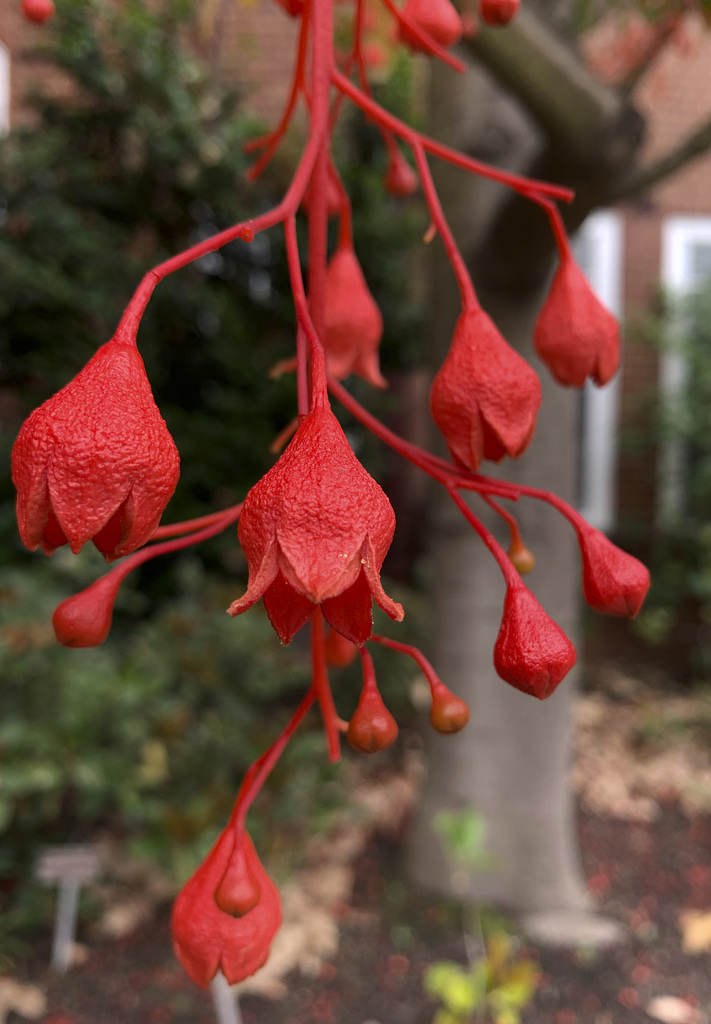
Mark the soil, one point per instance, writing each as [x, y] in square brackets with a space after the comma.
[644, 874]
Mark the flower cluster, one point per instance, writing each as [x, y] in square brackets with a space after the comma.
[96, 461]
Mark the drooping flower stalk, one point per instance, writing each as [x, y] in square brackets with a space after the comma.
[316, 528]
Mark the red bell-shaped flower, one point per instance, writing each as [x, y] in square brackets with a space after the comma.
[614, 582]
[96, 461]
[400, 179]
[485, 397]
[354, 324]
[531, 652]
[315, 530]
[575, 335]
[437, 18]
[207, 939]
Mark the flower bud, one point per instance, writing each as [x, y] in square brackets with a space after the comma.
[498, 12]
[614, 582]
[354, 324]
[437, 18]
[449, 713]
[84, 620]
[372, 727]
[400, 179]
[38, 11]
[523, 560]
[575, 335]
[531, 652]
[238, 891]
[339, 651]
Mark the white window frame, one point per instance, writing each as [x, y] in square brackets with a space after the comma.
[603, 233]
[679, 235]
[4, 89]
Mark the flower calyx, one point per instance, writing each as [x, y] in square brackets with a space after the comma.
[315, 530]
[485, 397]
[575, 335]
[614, 582]
[96, 461]
[532, 653]
[436, 18]
[206, 938]
[498, 12]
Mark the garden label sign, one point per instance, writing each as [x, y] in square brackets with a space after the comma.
[67, 867]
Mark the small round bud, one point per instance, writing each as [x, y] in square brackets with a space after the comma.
[238, 891]
[372, 727]
[523, 560]
[339, 651]
[498, 12]
[38, 11]
[85, 619]
[400, 179]
[449, 713]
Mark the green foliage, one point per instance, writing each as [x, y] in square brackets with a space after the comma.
[463, 834]
[498, 986]
[680, 557]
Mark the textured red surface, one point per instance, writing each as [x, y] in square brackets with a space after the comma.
[575, 335]
[613, 581]
[437, 18]
[354, 325]
[315, 530]
[485, 397]
[205, 938]
[531, 653]
[95, 461]
[498, 12]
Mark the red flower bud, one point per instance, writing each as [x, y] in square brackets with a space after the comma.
[372, 727]
[437, 18]
[292, 7]
[339, 651]
[531, 652]
[333, 196]
[38, 10]
[485, 397]
[96, 461]
[523, 559]
[316, 530]
[575, 335]
[400, 179]
[84, 620]
[613, 581]
[498, 12]
[238, 891]
[354, 325]
[448, 713]
[205, 938]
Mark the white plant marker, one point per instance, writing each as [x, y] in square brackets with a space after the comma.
[67, 867]
[225, 1000]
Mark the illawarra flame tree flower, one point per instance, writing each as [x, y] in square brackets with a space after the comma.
[96, 461]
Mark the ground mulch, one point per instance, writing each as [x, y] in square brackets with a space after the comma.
[644, 874]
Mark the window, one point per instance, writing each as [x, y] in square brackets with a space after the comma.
[598, 249]
[686, 265]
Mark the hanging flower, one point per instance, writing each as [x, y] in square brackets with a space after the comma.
[400, 179]
[437, 18]
[485, 397]
[531, 652]
[575, 335]
[354, 325]
[206, 938]
[96, 461]
[614, 582]
[315, 531]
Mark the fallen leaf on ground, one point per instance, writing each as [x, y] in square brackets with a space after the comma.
[27, 1000]
[695, 929]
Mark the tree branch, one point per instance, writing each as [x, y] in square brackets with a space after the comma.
[643, 178]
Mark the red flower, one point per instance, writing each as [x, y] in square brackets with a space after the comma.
[485, 397]
[84, 620]
[498, 12]
[531, 652]
[96, 461]
[613, 581]
[354, 325]
[315, 531]
[207, 939]
[575, 336]
[437, 18]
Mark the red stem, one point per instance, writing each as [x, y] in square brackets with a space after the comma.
[424, 38]
[504, 562]
[189, 525]
[331, 721]
[529, 187]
